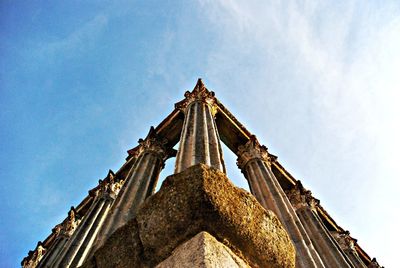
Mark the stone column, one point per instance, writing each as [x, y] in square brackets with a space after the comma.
[80, 243]
[305, 206]
[346, 243]
[62, 232]
[141, 182]
[254, 161]
[199, 141]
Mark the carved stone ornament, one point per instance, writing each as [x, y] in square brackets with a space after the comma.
[116, 187]
[34, 257]
[345, 241]
[199, 93]
[69, 226]
[134, 152]
[296, 198]
[109, 187]
[252, 150]
[57, 230]
[154, 144]
[300, 197]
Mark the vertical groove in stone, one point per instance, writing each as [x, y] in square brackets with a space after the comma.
[127, 207]
[192, 151]
[269, 199]
[79, 236]
[272, 198]
[206, 141]
[355, 260]
[294, 220]
[198, 143]
[328, 251]
[216, 156]
[128, 176]
[183, 158]
[86, 245]
[108, 225]
[53, 255]
[151, 187]
[199, 139]
[255, 186]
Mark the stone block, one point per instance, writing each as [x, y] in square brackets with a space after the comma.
[203, 251]
[122, 249]
[203, 199]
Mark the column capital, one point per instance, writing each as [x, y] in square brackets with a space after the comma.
[252, 150]
[155, 144]
[300, 197]
[69, 225]
[199, 93]
[34, 257]
[345, 241]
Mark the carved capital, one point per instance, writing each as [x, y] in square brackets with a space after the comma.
[345, 241]
[34, 257]
[300, 197]
[68, 227]
[252, 150]
[156, 145]
[199, 93]
[57, 230]
[109, 188]
[296, 197]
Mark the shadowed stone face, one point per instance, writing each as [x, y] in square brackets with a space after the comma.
[199, 199]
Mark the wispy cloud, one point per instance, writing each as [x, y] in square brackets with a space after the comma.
[78, 40]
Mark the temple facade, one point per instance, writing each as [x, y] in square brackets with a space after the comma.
[198, 218]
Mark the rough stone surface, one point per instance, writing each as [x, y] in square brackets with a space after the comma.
[203, 251]
[195, 200]
[122, 249]
[203, 199]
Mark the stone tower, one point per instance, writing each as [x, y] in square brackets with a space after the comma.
[198, 218]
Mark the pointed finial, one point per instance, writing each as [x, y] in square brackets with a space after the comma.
[199, 85]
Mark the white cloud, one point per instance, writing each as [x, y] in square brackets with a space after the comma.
[77, 40]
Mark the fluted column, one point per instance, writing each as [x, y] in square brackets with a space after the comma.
[141, 182]
[62, 232]
[199, 141]
[305, 206]
[254, 161]
[80, 243]
[346, 243]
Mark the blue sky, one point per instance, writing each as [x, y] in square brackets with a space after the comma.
[318, 83]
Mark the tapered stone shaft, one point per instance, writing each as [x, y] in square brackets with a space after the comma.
[199, 141]
[54, 250]
[305, 206]
[63, 232]
[77, 247]
[254, 160]
[151, 155]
